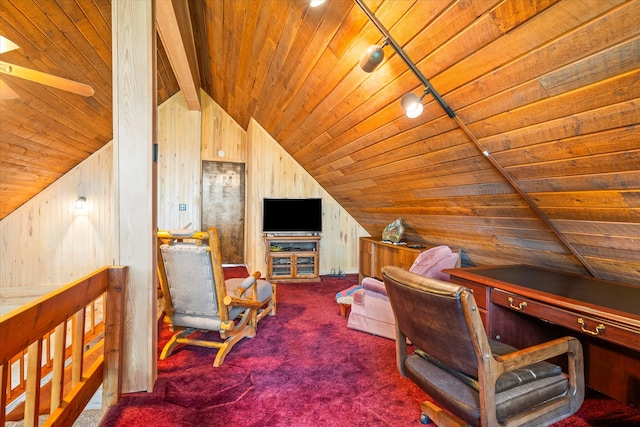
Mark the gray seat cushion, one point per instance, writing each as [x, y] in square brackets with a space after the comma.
[515, 391]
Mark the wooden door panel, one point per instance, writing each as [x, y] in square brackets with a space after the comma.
[223, 206]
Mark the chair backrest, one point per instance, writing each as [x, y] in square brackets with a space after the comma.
[191, 275]
[431, 262]
[190, 279]
[442, 329]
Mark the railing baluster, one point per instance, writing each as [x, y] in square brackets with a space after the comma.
[22, 369]
[77, 345]
[57, 383]
[34, 368]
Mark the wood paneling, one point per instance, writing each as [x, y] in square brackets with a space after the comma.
[46, 132]
[46, 241]
[179, 168]
[549, 88]
[273, 173]
[222, 137]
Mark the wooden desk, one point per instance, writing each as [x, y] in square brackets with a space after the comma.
[523, 305]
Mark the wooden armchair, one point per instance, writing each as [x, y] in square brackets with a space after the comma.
[197, 297]
[479, 381]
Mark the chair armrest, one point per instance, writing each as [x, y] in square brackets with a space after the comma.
[374, 285]
[566, 345]
[540, 352]
[241, 302]
[246, 284]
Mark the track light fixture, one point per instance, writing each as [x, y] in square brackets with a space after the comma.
[372, 57]
[412, 104]
[396, 47]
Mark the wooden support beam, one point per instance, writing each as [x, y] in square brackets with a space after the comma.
[174, 27]
[134, 174]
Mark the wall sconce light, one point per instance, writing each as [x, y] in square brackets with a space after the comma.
[373, 56]
[81, 203]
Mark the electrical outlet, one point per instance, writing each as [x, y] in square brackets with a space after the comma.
[182, 207]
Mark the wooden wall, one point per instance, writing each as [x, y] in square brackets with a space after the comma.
[179, 166]
[274, 173]
[46, 241]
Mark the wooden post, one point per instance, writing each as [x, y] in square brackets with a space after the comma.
[113, 337]
[134, 138]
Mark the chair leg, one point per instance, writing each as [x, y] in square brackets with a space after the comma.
[272, 312]
[269, 308]
[173, 342]
[439, 416]
[223, 348]
[228, 344]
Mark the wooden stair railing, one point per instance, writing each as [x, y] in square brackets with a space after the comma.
[60, 356]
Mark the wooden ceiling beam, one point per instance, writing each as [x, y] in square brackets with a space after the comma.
[176, 33]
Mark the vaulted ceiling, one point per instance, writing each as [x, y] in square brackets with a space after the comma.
[547, 89]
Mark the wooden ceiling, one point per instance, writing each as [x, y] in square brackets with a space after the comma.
[46, 132]
[548, 88]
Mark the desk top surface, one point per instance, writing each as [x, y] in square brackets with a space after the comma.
[597, 292]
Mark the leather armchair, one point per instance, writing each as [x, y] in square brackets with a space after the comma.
[479, 381]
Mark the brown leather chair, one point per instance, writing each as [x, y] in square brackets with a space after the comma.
[479, 381]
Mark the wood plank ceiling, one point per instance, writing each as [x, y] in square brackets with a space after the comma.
[45, 132]
[548, 88]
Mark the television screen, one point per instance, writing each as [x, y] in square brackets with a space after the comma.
[292, 215]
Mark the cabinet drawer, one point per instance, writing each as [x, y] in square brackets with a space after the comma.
[624, 335]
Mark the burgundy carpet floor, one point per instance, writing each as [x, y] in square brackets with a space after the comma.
[303, 368]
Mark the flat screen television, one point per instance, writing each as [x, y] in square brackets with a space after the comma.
[292, 215]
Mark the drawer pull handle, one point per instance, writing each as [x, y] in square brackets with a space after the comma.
[583, 326]
[518, 307]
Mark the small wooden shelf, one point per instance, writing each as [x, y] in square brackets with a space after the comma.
[293, 258]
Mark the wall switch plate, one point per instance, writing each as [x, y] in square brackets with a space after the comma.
[182, 207]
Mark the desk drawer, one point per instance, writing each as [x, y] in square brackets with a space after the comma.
[592, 326]
[480, 292]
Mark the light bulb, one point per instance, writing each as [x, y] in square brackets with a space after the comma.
[412, 105]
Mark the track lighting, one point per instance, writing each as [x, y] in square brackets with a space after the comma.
[410, 99]
[412, 104]
[372, 57]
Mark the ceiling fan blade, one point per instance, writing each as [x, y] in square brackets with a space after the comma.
[6, 92]
[7, 45]
[46, 79]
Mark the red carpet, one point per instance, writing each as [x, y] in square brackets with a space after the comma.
[304, 368]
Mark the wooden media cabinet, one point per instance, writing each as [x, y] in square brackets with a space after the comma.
[293, 258]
